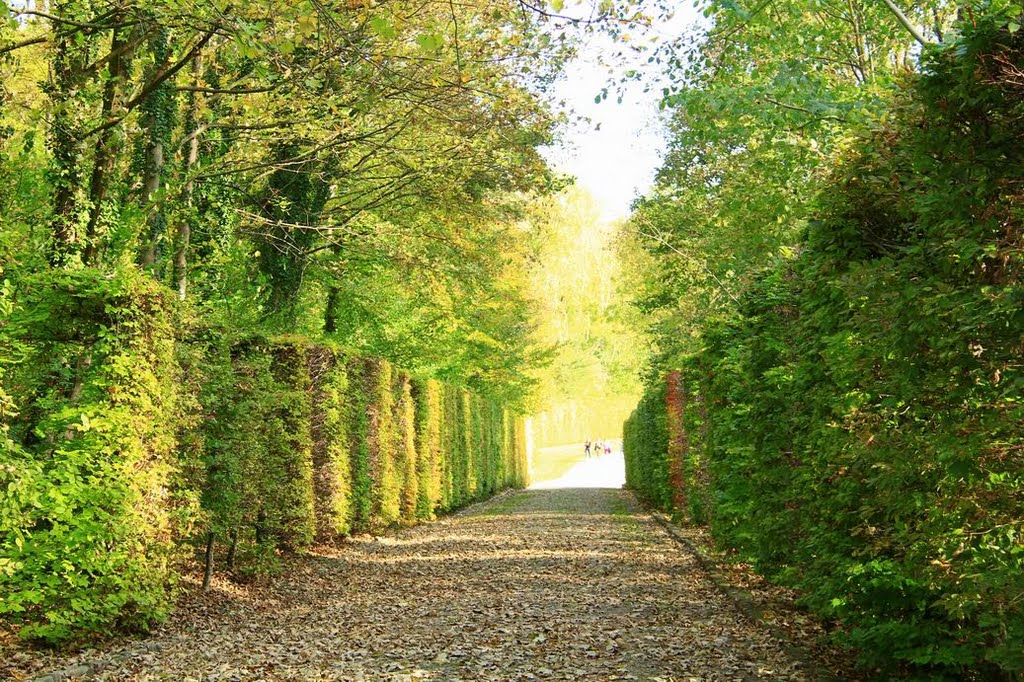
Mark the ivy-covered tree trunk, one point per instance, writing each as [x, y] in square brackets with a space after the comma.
[331, 310]
[107, 145]
[66, 134]
[184, 235]
[159, 113]
[292, 204]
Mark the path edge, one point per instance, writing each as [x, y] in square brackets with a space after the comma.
[744, 603]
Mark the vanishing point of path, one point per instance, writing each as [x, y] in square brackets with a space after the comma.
[555, 584]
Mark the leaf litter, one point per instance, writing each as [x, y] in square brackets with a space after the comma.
[560, 584]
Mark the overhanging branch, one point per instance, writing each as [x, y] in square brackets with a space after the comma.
[905, 21]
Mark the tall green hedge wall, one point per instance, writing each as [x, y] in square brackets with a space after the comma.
[858, 430]
[89, 520]
[134, 446]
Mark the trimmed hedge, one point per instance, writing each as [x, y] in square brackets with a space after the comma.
[429, 462]
[645, 444]
[89, 523]
[132, 444]
[357, 445]
[857, 431]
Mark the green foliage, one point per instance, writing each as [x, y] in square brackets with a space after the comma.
[583, 320]
[859, 416]
[287, 181]
[428, 440]
[87, 532]
[760, 107]
[331, 420]
[334, 190]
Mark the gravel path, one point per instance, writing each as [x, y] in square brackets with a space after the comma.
[554, 584]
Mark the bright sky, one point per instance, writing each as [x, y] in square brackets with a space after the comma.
[615, 162]
[616, 154]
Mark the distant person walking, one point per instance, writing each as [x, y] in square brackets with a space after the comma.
[586, 449]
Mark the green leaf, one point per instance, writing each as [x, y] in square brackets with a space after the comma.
[307, 24]
[383, 27]
[430, 42]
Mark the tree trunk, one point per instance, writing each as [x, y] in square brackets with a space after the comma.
[150, 186]
[208, 573]
[103, 164]
[70, 59]
[330, 317]
[184, 224]
[230, 561]
[261, 526]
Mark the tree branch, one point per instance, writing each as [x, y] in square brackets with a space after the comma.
[24, 43]
[158, 79]
[222, 91]
[905, 21]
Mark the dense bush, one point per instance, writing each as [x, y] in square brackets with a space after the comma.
[385, 487]
[331, 422]
[860, 420]
[88, 521]
[132, 441]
